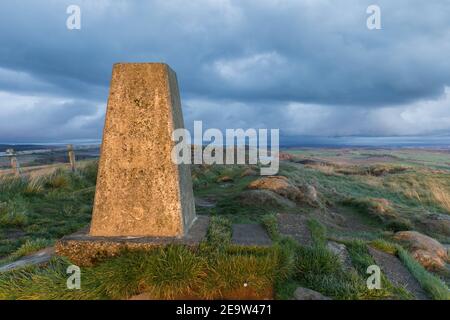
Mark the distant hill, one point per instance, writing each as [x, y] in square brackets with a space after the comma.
[21, 147]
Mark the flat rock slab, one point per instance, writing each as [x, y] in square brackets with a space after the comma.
[308, 294]
[84, 250]
[295, 226]
[205, 203]
[250, 235]
[397, 273]
[37, 258]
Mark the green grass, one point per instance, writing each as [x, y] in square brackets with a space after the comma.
[34, 213]
[434, 286]
[164, 273]
[384, 246]
[36, 283]
[30, 246]
[218, 235]
[270, 223]
[45, 208]
[318, 232]
[320, 270]
[361, 260]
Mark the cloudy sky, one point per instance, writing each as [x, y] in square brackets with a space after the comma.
[307, 67]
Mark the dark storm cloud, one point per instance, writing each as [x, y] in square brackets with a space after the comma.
[250, 54]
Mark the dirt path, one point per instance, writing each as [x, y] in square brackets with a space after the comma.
[397, 273]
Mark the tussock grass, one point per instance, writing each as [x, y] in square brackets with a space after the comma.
[219, 234]
[318, 232]
[270, 223]
[174, 271]
[46, 207]
[34, 283]
[34, 186]
[440, 194]
[234, 272]
[164, 273]
[434, 286]
[28, 247]
[380, 210]
[31, 246]
[428, 189]
[384, 246]
[320, 270]
[376, 170]
[14, 213]
[211, 271]
[361, 260]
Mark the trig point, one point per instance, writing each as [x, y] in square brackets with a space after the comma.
[140, 192]
[143, 199]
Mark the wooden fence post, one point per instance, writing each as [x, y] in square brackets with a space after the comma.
[14, 162]
[71, 157]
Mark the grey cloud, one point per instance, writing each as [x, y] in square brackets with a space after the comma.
[260, 57]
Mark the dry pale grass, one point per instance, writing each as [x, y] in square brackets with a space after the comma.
[326, 169]
[424, 187]
[440, 195]
[373, 181]
[43, 170]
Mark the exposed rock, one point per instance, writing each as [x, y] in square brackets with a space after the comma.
[225, 179]
[37, 258]
[308, 294]
[340, 250]
[311, 193]
[264, 198]
[426, 250]
[204, 203]
[249, 173]
[250, 235]
[278, 184]
[296, 226]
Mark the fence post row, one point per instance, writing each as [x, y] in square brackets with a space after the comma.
[71, 157]
[14, 162]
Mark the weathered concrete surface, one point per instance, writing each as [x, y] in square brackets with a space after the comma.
[85, 250]
[140, 191]
[40, 257]
[250, 235]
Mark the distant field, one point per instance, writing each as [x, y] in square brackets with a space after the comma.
[432, 158]
[32, 156]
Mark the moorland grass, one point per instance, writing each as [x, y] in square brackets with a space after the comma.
[432, 285]
[61, 203]
[169, 272]
[46, 208]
